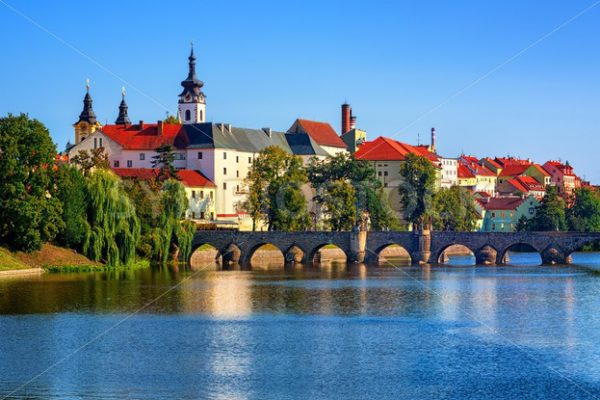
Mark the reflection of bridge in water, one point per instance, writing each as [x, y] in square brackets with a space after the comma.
[488, 248]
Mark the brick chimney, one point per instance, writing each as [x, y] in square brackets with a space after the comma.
[346, 117]
[433, 148]
[160, 127]
[352, 121]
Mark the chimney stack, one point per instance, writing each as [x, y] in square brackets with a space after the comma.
[141, 124]
[160, 127]
[433, 148]
[346, 118]
[352, 122]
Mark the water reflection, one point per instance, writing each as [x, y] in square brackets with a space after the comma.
[320, 332]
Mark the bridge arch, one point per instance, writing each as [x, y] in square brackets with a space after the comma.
[486, 255]
[520, 253]
[392, 255]
[295, 254]
[265, 255]
[442, 256]
[205, 255]
[327, 250]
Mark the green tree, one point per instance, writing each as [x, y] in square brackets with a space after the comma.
[163, 161]
[584, 214]
[29, 214]
[340, 204]
[550, 215]
[417, 189]
[171, 119]
[274, 183]
[115, 228]
[88, 160]
[454, 209]
[325, 175]
[71, 190]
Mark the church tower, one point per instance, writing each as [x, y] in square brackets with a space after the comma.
[87, 123]
[192, 102]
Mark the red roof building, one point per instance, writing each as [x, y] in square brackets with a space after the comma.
[522, 186]
[146, 136]
[386, 149]
[321, 132]
[188, 177]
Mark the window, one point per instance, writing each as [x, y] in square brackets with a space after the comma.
[379, 173]
[129, 163]
[237, 174]
[201, 214]
[142, 156]
[202, 194]
[211, 197]
[116, 163]
[224, 185]
[201, 116]
[193, 194]
[193, 215]
[493, 215]
[237, 188]
[249, 160]
[212, 216]
[179, 156]
[199, 155]
[385, 173]
[224, 171]
[385, 185]
[224, 156]
[237, 159]
[100, 139]
[188, 115]
[95, 143]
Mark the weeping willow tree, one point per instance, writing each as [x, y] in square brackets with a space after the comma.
[115, 228]
[171, 236]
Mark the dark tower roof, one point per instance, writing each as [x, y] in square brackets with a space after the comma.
[192, 84]
[123, 118]
[87, 114]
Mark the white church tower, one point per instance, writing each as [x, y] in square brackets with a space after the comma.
[192, 102]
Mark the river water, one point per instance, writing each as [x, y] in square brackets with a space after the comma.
[518, 332]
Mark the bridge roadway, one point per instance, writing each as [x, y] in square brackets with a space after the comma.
[488, 247]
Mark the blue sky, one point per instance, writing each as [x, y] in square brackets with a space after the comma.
[265, 63]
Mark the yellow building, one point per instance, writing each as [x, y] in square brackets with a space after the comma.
[87, 123]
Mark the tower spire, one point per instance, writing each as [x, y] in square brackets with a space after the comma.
[123, 118]
[87, 114]
[192, 102]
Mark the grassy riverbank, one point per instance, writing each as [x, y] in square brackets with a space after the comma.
[49, 257]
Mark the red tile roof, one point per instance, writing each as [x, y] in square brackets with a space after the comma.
[322, 133]
[503, 203]
[469, 159]
[480, 170]
[493, 163]
[193, 178]
[530, 183]
[506, 161]
[386, 149]
[514, 170]
[188, 177]
[464, 172]
[541, 169]
[131, 137]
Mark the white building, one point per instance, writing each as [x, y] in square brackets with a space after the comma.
[449, 172]
[220, 153]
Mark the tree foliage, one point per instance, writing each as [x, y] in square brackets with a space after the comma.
[171, 119]
[71, 189]
[417, 188]
[454, 209]
[115, 228]
[342, 177]
[163, 161]
[584, 214]
[88, 160]
[29, 214]
[274, 183]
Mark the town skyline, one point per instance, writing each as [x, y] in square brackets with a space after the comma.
[233, 100]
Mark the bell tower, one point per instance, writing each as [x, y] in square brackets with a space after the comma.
[87, 123]
[192, 101]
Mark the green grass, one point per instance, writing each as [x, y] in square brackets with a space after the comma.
[97, 268]
[9, 262]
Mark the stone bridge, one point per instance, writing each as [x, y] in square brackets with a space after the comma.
[488, 247]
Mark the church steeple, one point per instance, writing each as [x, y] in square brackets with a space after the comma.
[123, 118]
[87, 123]
[87, 114]
[192, 101]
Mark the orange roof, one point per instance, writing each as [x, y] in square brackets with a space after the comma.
[464, 172]
[493, 163]
[188, 177]
[480, 170]
[470, 159]
[506, 161]
[514, 169]
[386, 149]
[540, 169]
[131, 137]
[322, 133]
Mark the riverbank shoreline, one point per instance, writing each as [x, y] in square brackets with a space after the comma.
[49, 258]
[21, 272]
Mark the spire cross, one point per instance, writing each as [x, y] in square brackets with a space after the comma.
[87, 84]
[123, 91]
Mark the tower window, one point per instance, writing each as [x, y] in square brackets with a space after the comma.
[201, 116]
[188, 115]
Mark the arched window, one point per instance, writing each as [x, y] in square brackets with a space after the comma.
[201, 116]
[188, 115]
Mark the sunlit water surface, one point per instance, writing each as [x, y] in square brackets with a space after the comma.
[522, 332]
